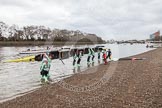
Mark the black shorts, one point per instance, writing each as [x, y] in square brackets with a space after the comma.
[44, 73]
[109, 56]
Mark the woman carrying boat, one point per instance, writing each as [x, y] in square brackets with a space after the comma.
[45, 67]
[79, 58]
[89, 56]
[74, 58]
[90, 53]
[99, 53]
[109, 54]
[93, 55]
[104, 56]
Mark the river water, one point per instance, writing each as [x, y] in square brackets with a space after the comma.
[18, 78]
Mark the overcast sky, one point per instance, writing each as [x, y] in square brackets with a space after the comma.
[110, 19]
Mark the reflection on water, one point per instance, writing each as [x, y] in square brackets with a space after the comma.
[16, 78]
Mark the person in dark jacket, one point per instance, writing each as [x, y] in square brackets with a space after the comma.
[109, 54]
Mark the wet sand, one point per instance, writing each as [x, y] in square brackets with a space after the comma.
[120, 84]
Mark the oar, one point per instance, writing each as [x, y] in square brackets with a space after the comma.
[132, 59]
[122, 59]
[62, 61]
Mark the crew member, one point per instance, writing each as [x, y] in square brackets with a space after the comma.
[74, 57]
[89, 56]
[99, 54]
[79, 58]
[93, 55]
[104, 57]
[45, 67]
[109, 54]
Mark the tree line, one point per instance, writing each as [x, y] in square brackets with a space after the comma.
[41, 33]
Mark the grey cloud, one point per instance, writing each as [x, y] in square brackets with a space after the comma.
[12, 3]
[108, 18]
